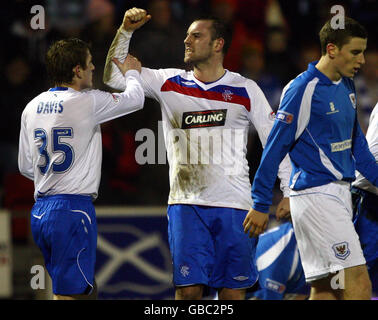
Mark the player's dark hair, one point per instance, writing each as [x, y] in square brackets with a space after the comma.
[339, 37]
[219, 30]
[63, 56]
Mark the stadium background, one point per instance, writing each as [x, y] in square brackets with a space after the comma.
[273, 41]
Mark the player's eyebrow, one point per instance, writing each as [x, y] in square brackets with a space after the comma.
[194, 33]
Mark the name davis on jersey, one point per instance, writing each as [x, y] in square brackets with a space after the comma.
[208, 118]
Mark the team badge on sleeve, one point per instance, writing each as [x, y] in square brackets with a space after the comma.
[284, 116]
[115, 97]
[272, 116]
[274, 285]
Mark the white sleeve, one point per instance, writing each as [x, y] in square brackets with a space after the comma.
[25, 162]
[262, 117]
[151, 79]
[108, 106]
[372, 133]
[284, 172]
[260, 114]
[118, 49]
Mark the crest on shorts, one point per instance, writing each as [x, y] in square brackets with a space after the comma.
[184, 270]
[341, 250]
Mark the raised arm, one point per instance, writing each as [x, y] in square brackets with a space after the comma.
[134, 18]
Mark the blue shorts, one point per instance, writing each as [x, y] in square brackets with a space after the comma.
[64, 228]
[208, 246]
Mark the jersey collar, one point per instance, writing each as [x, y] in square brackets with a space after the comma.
[58, 89]
[319, 74]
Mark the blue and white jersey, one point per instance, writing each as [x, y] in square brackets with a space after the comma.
[60, 145]
[205, 129]
[279, 264]
[317, 125]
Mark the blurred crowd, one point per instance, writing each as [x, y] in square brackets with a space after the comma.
[273, 41]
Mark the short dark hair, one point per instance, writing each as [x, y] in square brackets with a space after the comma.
[219, 30]
[339, 37]
[63, 56]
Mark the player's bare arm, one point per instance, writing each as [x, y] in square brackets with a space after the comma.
[255, 222]
[135, 18]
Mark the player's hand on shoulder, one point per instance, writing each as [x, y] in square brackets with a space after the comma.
[135, 18]
[255, 222]
[130, 63]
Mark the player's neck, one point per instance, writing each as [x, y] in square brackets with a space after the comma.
[326, 66]
[74, 85]
[209, 73]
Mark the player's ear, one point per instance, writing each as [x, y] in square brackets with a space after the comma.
[77, 71]
[332, 50]
[219, 43]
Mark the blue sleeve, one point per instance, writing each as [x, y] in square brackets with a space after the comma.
[280, 140]
[365, 161]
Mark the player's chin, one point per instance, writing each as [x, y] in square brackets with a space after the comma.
[187, 60]
[349, 73]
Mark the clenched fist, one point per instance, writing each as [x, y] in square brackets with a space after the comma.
[135, 18]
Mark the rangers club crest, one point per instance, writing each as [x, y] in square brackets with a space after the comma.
[184, 270]
[341, 250]
[227, 95]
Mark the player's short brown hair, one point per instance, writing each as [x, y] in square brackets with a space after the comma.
[63, 56]
[339, 37]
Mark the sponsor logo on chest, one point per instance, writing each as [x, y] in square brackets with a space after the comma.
[332, 108]
[208, 118]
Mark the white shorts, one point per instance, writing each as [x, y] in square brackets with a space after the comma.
[322, 220]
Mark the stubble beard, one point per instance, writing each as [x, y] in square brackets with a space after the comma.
[191, 63]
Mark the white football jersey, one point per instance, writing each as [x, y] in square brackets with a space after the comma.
[60, 144]
[205, 128]
[372, 139]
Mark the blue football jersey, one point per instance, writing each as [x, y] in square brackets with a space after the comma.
[317, 125]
